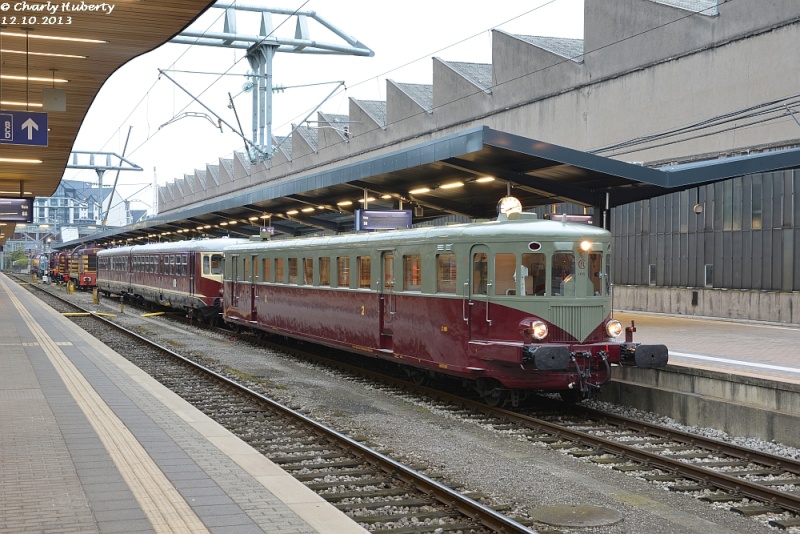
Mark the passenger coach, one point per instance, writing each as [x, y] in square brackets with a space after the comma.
[183, 274]
[509, 306]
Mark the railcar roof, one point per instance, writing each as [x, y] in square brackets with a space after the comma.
[492, 231]
[204, 245]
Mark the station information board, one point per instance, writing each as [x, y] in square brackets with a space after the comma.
[382, 220]
[16, 210]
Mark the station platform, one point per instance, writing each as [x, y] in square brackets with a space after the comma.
[89, 443]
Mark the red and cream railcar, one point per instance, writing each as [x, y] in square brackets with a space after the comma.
[509, 306]
[83, 266]
[183, 274]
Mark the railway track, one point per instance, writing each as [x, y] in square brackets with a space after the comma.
[740, 479]
[378, 492]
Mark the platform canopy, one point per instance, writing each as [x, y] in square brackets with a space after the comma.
[465, 175]
[55, 57]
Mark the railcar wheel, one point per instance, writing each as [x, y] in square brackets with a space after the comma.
[492, 392]
[419, 378]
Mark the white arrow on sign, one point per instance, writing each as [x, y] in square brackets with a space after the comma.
[31, 125]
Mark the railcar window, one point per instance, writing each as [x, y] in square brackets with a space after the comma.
[505, 274]
[265, 270]
[364, 272]
[388, 271]
[325, 271]
[563, 275]
[343, 271]
[279, 271]
[596, 273]
[292, 270]
[245, 269]
[206, 264]
[412, 272]
[534, 272]
[446, 273]
[480, 273]
[308, 271]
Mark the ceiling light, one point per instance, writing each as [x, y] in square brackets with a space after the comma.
[370, 199]
[18, 103]
[32, 78]
[51, 37]
[307, 210]
[223, 224]
[292, 212]
[48, 54]
[19, 160]
[233, 222]
[452, 185]
[485, 179]
[344, 203]
[206, 227]
[419, 191]
[386, 197]
[252, 219]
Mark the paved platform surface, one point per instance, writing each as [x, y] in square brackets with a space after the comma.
[89, 443]
[764, 350]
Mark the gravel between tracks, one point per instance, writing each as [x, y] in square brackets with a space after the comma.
[524, 475]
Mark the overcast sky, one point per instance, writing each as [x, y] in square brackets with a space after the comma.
[404, 36]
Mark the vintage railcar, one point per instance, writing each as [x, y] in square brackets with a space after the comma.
[61, 273]
[183, 274]
[508, 306]
[83, 266]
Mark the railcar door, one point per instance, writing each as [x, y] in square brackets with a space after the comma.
[476, 293]
[254, 288]
[388, 303]
[191, 270]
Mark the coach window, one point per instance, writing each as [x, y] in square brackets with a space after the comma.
[265, 270]
[563, 275]
[446, 273]
[217, 264]
[308, 271]
[412, 272]
[245, 269]
[343, 271]
[279, 271]
[292, 270]
[534, 273]
[325, 271]
[505, 274]
[364, 272]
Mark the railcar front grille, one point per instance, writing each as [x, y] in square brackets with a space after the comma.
[575, 321]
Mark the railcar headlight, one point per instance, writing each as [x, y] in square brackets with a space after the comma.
[585, 246]
[538, 330]
[614, 328]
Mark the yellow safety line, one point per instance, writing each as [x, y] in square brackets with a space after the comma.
[165, 508]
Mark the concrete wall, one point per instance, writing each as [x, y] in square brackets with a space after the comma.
[769, 306]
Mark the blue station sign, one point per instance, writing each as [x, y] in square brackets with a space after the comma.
[23, 128]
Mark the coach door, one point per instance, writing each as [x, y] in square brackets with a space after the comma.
[476, 291]
[191, 272]
[388, 303]
[254, 288]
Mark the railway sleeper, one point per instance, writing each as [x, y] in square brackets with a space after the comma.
[334, 473]
[410, 503]
[784, 524]
[349, 483]
[391, 518]
[422, 529]
[344, 495]
[322, 466]
[759, 509]
[306, 457]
